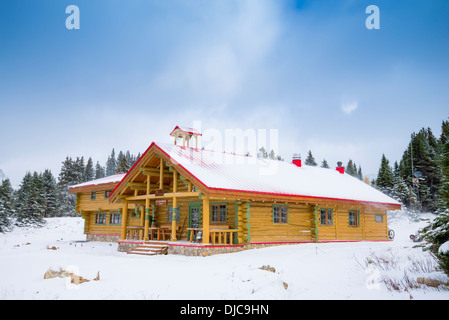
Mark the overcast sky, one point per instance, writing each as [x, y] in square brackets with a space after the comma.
[135, 69]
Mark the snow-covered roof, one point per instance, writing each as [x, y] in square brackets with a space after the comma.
[105, 180]
[186, 130]
[225, 171]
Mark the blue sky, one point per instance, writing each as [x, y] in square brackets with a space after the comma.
[135, 69]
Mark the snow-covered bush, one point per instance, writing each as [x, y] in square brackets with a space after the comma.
[437, 234]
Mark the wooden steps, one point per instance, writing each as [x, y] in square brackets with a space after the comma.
[150, 248]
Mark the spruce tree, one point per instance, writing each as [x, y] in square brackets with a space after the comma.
[310, 160]
[359, 173]
[324, 164]
[67, 177]
[122, 164]
[79, 170]
[424, 155]
[30, 201]
[6, 205]
[385, 177]
[444, 187]
[50, 195]
[89, 173]
[111, 164]
[351, 168]
[99, 171]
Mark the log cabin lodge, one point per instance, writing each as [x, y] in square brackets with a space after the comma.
[183, 200]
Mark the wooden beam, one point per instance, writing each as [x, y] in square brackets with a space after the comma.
[165, 196]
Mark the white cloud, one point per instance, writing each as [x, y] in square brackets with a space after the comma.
[349, 107]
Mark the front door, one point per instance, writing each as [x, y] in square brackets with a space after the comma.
[194, 215]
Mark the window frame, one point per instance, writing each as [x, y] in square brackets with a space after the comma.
[326, 217]
[93, 196]
[113, 214]
[219, 206]
[98, 218]
[356, 217]
[273, 213]
[107, 194]
[381, 218]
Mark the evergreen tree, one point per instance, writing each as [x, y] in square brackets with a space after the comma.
[324, 164]
[122, 164]
[111, 164]
[89, 173]
[385, 177]
[351, 168]
[50, 194]
[99, 171]
[67, 177]
[310, 160]
[262, 153]
[30, 201]
[79, 170]
[424, 155]
[6, 205]
[359, 173]
[444, 187]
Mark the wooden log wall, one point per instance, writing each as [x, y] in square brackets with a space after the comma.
[367, 229]
[263, 229]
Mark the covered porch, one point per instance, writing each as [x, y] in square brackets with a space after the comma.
[195, 220]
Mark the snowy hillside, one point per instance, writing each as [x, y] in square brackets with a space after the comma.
[361, 270]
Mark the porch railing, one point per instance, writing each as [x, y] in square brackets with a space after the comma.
[220, 236]
[217, 236]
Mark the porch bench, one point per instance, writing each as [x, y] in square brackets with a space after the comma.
[161, 230]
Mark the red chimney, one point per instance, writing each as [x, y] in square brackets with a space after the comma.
[296, 160]
[340, 168]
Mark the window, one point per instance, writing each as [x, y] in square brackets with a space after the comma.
[115, 219]
[354, 218]
[107, 193]
[93, 195]
[326, 217]
[170, 213]
[379, 218]
[218, 213]
[100, 218]
[280, 213]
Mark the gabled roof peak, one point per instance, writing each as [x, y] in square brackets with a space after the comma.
[186, 134]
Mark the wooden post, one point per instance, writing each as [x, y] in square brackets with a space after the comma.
[147, 212]
[175, 206]
[240, 226]
[124, 218]
[173, 219]
[147, 220]
[206, 217]
[161, 174]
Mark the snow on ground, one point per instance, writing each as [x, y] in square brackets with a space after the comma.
[359, 270]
